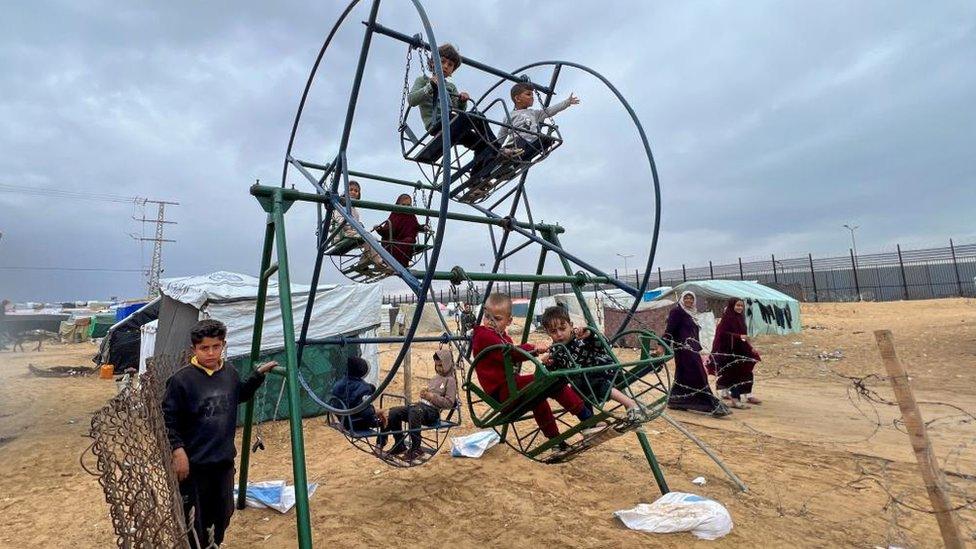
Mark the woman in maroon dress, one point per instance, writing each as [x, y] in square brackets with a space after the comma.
[733, 356]
[398, 234]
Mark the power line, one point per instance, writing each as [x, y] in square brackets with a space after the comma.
[85, 269]
[48, 192]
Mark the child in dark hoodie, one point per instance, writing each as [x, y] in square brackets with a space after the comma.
[351, 390]
[440, 394]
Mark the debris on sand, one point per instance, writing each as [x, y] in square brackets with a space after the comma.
[831, 356]
[61, 371]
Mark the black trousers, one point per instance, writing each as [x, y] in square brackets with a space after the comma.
[416, 416]
[475, 133]
[209, 494]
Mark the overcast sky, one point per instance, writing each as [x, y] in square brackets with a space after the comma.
[772, 124]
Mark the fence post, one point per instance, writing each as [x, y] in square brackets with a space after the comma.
[711, 271]
[775, 279]
[955, 266]
[901, 265]
[636, 277]
[660, 279]
[813, 277]
[741, 275]
[684, 274]
[928, 464]
[615, 274]
[857, 285]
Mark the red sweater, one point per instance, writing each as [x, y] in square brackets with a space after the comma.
[491, 367]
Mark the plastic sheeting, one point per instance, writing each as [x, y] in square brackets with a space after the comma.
[338, 310]
[147, 343]
[767, 311]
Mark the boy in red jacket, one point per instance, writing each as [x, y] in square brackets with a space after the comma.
[491, 369]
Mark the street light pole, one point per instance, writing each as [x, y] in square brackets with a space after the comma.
[853, 240]
[626, 257]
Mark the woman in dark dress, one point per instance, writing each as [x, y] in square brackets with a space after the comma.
[399, 232]
[690, 390]
[733, 356]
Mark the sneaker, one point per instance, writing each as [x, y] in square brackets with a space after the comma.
[412, 455]
[563, 446]
[635, 415]
[595, 430]
[510, 152]
[398, 449]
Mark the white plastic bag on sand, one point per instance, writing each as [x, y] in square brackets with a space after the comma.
[679, 512]
[473, 445]
[274, 494]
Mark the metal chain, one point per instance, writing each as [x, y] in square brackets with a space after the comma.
[401, 121]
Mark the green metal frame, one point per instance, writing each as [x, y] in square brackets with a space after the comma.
[275, 241]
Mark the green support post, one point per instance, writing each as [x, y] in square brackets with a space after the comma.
[276, 205]
[291, 356]
[652, 461]
[269, 233]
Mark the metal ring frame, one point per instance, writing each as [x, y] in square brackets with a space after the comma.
[338, 170]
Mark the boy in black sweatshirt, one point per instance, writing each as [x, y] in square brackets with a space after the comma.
[200, 410]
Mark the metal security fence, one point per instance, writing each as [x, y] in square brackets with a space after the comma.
[926, 273]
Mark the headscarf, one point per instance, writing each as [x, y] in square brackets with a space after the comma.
[732, 322]
[692, 311]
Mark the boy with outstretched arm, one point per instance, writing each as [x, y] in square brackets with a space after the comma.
[200, 411]
[526, 121]
[491, 368]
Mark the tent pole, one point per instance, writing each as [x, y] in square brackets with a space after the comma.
[294, 406]
[269, 234]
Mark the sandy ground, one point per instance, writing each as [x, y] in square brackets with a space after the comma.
[819, 461]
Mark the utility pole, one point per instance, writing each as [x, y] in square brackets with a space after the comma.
[156, 266]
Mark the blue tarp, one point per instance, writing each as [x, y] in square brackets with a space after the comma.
[123, 313]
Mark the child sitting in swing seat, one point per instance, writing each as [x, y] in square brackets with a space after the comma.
[527, 122]
[584, 348]
[440, 394]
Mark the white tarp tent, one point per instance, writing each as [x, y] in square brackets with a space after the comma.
[231, 298]
[430, 322]
[768, 311]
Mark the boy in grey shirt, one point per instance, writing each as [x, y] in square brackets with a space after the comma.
[526, 121]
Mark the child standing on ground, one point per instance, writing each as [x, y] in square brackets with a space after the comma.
[526, 121]
[491, 368]
[585, 349]
[200, 411]
[440, 394]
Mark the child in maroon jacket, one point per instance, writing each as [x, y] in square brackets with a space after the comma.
[491, 368]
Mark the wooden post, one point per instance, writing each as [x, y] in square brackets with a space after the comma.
[407, 379]
[927, 463]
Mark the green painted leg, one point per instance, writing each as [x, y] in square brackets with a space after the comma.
[269, 234]
[294, 398]
[652, 461]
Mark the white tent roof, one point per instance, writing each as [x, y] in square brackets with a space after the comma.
[232, 297]
[223, 286]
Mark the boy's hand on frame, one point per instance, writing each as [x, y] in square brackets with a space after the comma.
[266, 367]
[181, 464]
[463, 96]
